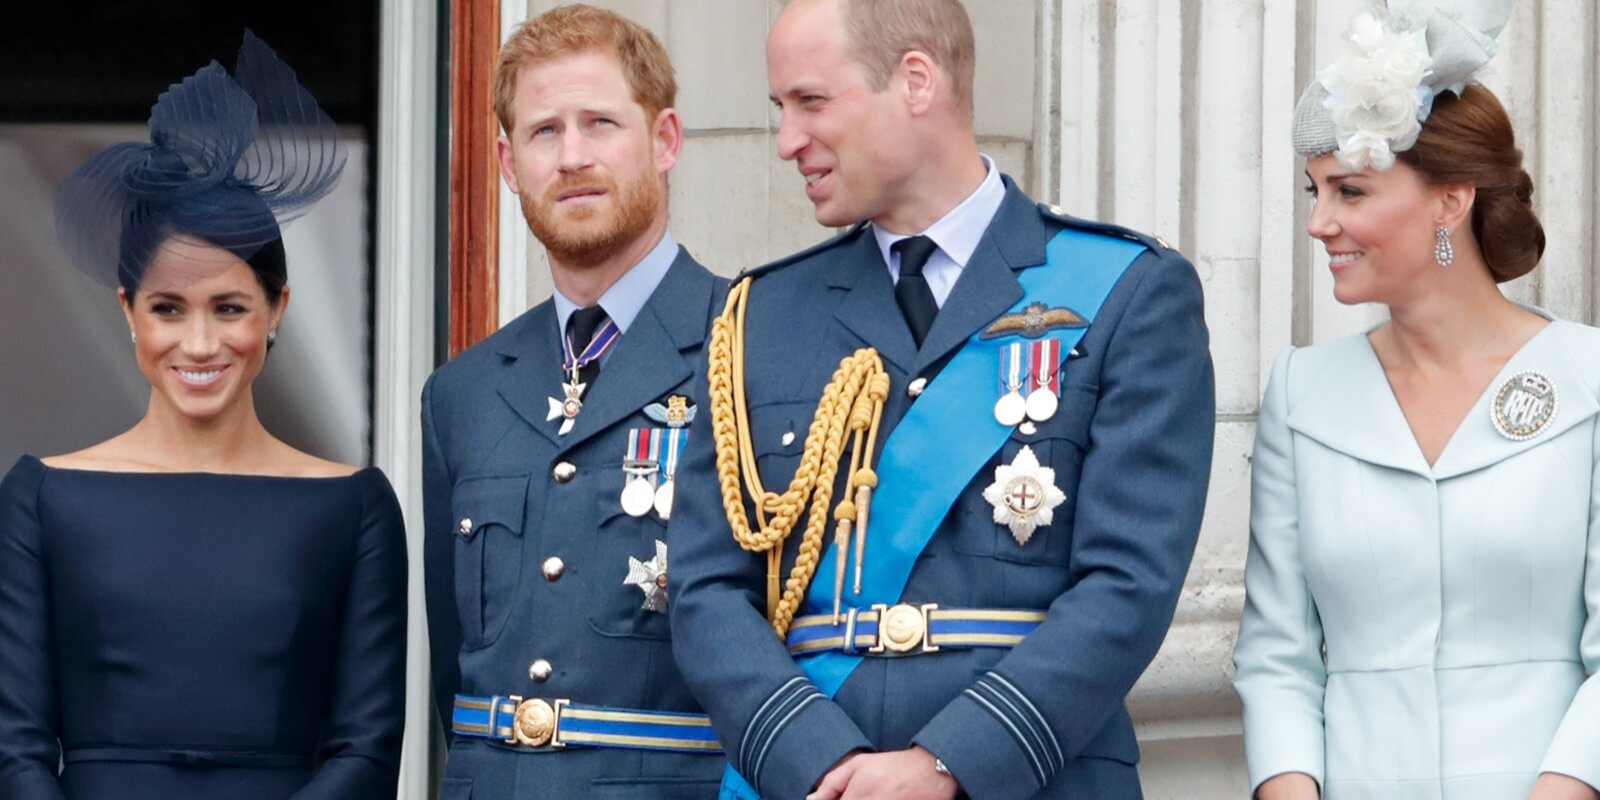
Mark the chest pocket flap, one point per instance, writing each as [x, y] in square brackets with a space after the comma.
[482, 503]
[489, 522]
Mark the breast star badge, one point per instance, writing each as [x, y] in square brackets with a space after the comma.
[1024, 495]
[651, 578]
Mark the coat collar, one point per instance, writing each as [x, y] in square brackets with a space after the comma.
[1015, 239]
[648, 361]
[1348, 405]
[531, 351]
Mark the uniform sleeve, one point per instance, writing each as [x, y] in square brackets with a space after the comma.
[29, 718]
[779, 732]
[360, 748]
[439, 566]
[1280, 673]
[1141, 495]
[1577, 741]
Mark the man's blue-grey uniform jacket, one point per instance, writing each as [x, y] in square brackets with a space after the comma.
[1131, 449]
[527, 546]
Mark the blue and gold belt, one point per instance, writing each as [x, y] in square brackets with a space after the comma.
[906, 629]
[539, 723]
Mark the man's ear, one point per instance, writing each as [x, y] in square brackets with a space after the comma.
[922, 81]
[502, 157]
[666, 134]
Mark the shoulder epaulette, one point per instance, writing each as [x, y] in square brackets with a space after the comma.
[827, 244]
[1155, 243]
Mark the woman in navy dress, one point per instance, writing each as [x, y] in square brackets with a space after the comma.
[194, 609]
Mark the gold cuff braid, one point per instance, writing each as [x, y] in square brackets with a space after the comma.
[851, 404]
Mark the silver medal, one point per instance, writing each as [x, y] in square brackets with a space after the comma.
[664, 499]
[1010, 410]
[637, 496]
[1042, 404]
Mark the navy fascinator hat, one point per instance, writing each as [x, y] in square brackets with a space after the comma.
[230, 159]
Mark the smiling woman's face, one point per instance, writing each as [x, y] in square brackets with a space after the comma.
[1378, 227]
[200, 318]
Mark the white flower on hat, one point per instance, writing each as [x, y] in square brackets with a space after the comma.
[1376, 94]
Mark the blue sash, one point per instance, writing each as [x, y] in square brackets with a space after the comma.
[1080, 270]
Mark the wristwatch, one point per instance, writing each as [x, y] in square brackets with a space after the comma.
[939, 767]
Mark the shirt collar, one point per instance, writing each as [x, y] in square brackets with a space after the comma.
[958, 232]
[626, 298]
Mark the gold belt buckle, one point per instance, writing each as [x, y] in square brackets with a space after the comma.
[537, 722]
[903, 628]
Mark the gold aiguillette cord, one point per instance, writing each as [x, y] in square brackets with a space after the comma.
[851, 404]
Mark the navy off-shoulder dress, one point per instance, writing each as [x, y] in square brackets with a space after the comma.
[172, 636]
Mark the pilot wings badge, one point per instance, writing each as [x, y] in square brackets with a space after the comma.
[676, 413]
[1036, 320]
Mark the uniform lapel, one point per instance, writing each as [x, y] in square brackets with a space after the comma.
[868, 308]
[1016, 239]
[648, 361]
[534, 372]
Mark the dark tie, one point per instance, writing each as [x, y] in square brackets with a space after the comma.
[912, 292]
[580, 330]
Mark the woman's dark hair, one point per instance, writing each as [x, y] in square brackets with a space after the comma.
[1468, 139]
[271, 269]
[268, 262]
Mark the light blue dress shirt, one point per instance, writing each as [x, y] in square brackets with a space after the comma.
[957, 234]
[626, 298]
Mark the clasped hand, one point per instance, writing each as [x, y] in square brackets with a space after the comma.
[899, 775]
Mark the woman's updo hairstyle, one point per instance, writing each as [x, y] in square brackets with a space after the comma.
[1468, 139]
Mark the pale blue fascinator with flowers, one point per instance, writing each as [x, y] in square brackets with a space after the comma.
[1371, 103]
[231, 158]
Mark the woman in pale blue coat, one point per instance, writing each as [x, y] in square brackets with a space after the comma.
[1423, 589]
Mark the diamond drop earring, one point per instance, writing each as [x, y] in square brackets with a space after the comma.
[1443, 251]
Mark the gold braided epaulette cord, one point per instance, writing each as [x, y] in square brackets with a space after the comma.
[852, 404]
